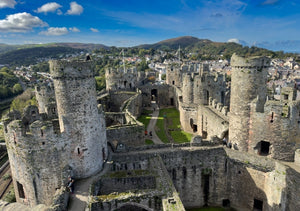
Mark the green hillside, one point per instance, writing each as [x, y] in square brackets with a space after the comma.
[207, 49]
[29, 56]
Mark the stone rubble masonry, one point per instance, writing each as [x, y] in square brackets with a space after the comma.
[248, 81]
[75, 93]
[44, 151]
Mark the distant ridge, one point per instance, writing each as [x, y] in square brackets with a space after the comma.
[86, 46]
[174, 43]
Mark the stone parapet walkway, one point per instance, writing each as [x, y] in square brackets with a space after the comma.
[78, 200]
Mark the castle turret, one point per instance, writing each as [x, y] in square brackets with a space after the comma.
[248, 82]
[75, 93]
[187, 89]
[37, 157]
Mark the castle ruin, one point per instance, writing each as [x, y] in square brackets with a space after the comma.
[70, 135]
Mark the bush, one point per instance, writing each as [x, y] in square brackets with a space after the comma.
[6, 176]
[10, 196]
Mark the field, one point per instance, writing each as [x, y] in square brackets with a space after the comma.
[168, 127]
[145, 117]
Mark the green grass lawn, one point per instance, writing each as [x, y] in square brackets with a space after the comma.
[145, 117]
[160, 128]
[172, 119]
[181, 136]
[149, 142]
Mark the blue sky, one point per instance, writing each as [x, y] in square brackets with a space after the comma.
[268, 23]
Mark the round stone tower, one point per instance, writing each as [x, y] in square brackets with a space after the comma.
[187, 89]
[248, 81]
[79, 118]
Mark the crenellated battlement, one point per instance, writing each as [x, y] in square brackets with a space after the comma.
[120, 70]
[69, 70]
[218, 107]
[249, 62]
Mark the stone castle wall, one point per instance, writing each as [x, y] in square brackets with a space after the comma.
[123, 80]
[38, 160]
[248, 79]
[134, 104]
[212, 121]
[44, 150]
[215, 175]
[75, 93]
[45, 95]
[165, 95]
[118, 98]
[279, 126]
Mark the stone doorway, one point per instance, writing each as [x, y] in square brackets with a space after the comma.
[257, 205]
[154, 95]
[205, 188]
[263, 148]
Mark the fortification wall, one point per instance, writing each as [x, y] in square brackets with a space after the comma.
[134, 104]
[212, 121]
[117, 99]
[216, 176]
[75, 93]
[114, 118]
[248, 81]
[164, 95]
[128, 135]
[38, 161]
[278, 126]
[197, 175]
[144, 182]
[292, 190]
[188, 117]
[173, 76]
[120, 80]
[264, 182]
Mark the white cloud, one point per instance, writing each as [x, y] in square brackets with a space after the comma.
[55, 31]
[94, 30]
[20, 22]
[49, 7]
[74, 29]
[75, 9]
[7, 3]
[235, 40]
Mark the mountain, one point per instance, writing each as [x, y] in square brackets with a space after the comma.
[86, 46]
[207, 49]
[33, 53]
[5, 47]
[174, 43]
[29, 56]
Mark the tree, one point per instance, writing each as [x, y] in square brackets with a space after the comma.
[25, 99]
[17, 88]
[142, 66]
[100, 82]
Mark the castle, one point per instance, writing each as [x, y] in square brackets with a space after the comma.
[71, 133]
